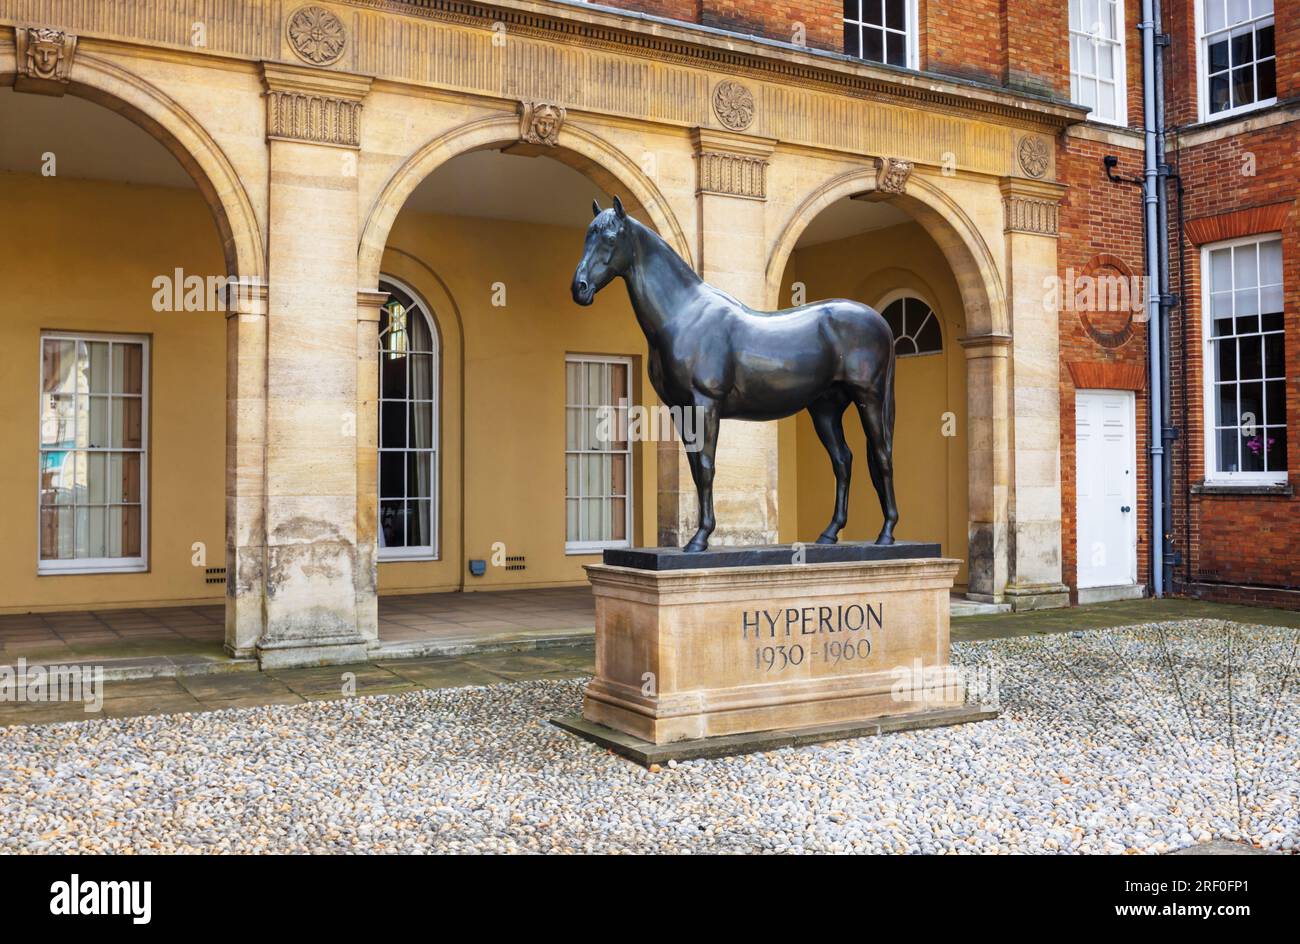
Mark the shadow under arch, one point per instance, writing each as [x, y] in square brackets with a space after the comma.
[106, 84]
[598, 160]
[972, 262]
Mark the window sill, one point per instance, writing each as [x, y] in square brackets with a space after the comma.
[1245, 489]
[74, 568]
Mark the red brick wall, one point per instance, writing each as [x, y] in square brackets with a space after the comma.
[686, 10]
[1037, 55]
[822, 22]
[1238, 539]
[962, 39]
[1101, 232]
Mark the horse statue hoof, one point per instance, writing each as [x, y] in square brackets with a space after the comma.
[828, 539]
[885, 540]
[695, 546]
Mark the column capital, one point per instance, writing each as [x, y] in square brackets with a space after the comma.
[1030, 206]
[313, 105]
[368, 304]
[986, 345]
[731, 164]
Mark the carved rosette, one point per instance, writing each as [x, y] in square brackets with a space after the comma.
[540, 123]
[1034, 155]
[316, 35]
[44, 59]
[892, 174]
[1031, 215]
[733, 104]
[735, 175]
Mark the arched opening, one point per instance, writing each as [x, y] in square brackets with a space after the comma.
[116, 329]
[530, 489]
[875, 252]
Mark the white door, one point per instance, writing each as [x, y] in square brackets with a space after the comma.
[1106, 453]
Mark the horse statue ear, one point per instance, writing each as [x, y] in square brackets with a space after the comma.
[595, 207]
[618, 208]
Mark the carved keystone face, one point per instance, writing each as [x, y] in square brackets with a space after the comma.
[44, 52]
[546, 122]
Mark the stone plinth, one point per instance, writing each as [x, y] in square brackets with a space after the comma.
[718, 651]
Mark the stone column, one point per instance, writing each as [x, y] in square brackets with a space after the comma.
[245, 464]
[317, 572]
[1034, 577]
[368, 311]
[988, 458]
[732, 194]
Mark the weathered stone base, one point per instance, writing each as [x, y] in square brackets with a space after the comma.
[289, 654]
[689, 654]
[1038, 597]
[647, 753]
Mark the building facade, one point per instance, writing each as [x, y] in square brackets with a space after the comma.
[288, 304]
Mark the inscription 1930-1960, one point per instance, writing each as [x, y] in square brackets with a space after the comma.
[845, 631]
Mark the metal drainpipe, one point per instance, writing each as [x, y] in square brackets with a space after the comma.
[1151, 225]
[1167, 431]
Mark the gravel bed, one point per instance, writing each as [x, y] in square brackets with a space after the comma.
[1142, 739]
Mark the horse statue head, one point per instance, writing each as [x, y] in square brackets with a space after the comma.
[607, 252]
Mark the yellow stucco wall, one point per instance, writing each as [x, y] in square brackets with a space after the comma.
[84, 259]
[930, 473]
[503, 393]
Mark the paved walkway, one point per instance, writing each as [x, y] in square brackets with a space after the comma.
[241, 689]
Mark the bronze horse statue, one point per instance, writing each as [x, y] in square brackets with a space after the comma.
[723, 360]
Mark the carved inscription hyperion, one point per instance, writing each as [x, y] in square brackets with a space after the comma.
[316, 35]
[733, 104]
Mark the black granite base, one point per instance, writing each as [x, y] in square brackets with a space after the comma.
[769, 555]
[645, 753]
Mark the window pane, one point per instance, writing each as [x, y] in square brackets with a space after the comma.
[1266, 79]
[1274, 364]
[873, 46]
[392, 376]
[58, 478]
[392, 524]
[571, 520]
[1275, 453]
[1219, 100]
[421, 429]
[1251, 361]
[123, 535]
[1218, 58]
[1275, 401]
[871, 11]
[417, 524]
[58, 362]
[419, 474]
[57, 420]
[1243, 86]
[1228, 460]
[1225, 405]
[97, 357]
[896, 14]
[56, 534]
[392, 424]
[1238, 10]
[1264, 41]
[97, 436]
[421, 377]
[1243, 46]
[392, 475]
[852, 40]
[1244, 266]
[1214, 17]
[1227, 359]
[896, 48]
[90, 532]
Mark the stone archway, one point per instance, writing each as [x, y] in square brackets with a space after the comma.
[578, 147]
[974, 267]
[96, 79]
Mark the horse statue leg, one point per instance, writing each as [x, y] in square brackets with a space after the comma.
[827, 415]
[701, 463]
[877, 422]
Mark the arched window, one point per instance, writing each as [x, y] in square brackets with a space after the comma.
[915, 326]
[408, 426]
